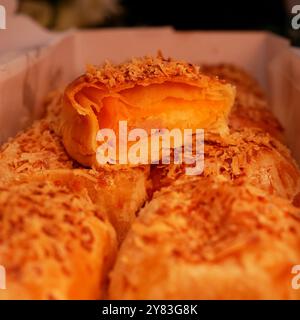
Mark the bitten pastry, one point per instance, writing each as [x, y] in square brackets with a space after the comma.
[249, 155]
[148, 93]
[210, 240]
[251, 109]
[54, 243]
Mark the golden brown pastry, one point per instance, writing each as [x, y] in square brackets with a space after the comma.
[117, 193]
[36, 149]
[206, 240]
[149, 93]
[54, 243]
[249, 155]
[251, 109]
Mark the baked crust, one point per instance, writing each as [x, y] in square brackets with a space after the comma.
[210, 240]
[54, 243]
[249, 155]
[143, 70]
[117, 193]
[35, 149]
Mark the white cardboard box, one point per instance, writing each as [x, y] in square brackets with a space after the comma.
[34, 62]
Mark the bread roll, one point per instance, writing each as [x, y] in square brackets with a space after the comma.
[54, 243]
[209, 240]
[251, 108]
[148, 93]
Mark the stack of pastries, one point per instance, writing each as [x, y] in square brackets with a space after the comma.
[71, 228]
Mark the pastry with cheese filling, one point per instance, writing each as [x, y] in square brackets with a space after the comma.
[148, 93]
[210, 240]
[54, 242]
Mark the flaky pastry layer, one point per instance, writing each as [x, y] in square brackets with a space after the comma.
[210, 240]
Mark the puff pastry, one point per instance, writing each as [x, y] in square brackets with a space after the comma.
[54, 243]
[36, 149]
[148, 93]
[117, 193]
[249, 155]
[209, 240]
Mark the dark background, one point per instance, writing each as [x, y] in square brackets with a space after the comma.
[207, 14]
[272, 15]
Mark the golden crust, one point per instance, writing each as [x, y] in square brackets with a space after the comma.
[36, 149]
[119, 194]
[250, 155]
[54, 243]
[142, 70]
[208, 240]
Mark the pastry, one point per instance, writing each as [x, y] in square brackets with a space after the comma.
[204, 239]
[35, 149]
[148, 93]
[251, 108]
[249, 155]
[117, 193]
[54, 243]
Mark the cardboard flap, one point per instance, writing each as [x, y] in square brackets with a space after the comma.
[284, 79]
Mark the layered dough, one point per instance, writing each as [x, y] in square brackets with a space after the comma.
[249, 155]
[148, 93]
[37, 149]
[117, 193]
[203, 239]
[54, 243]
